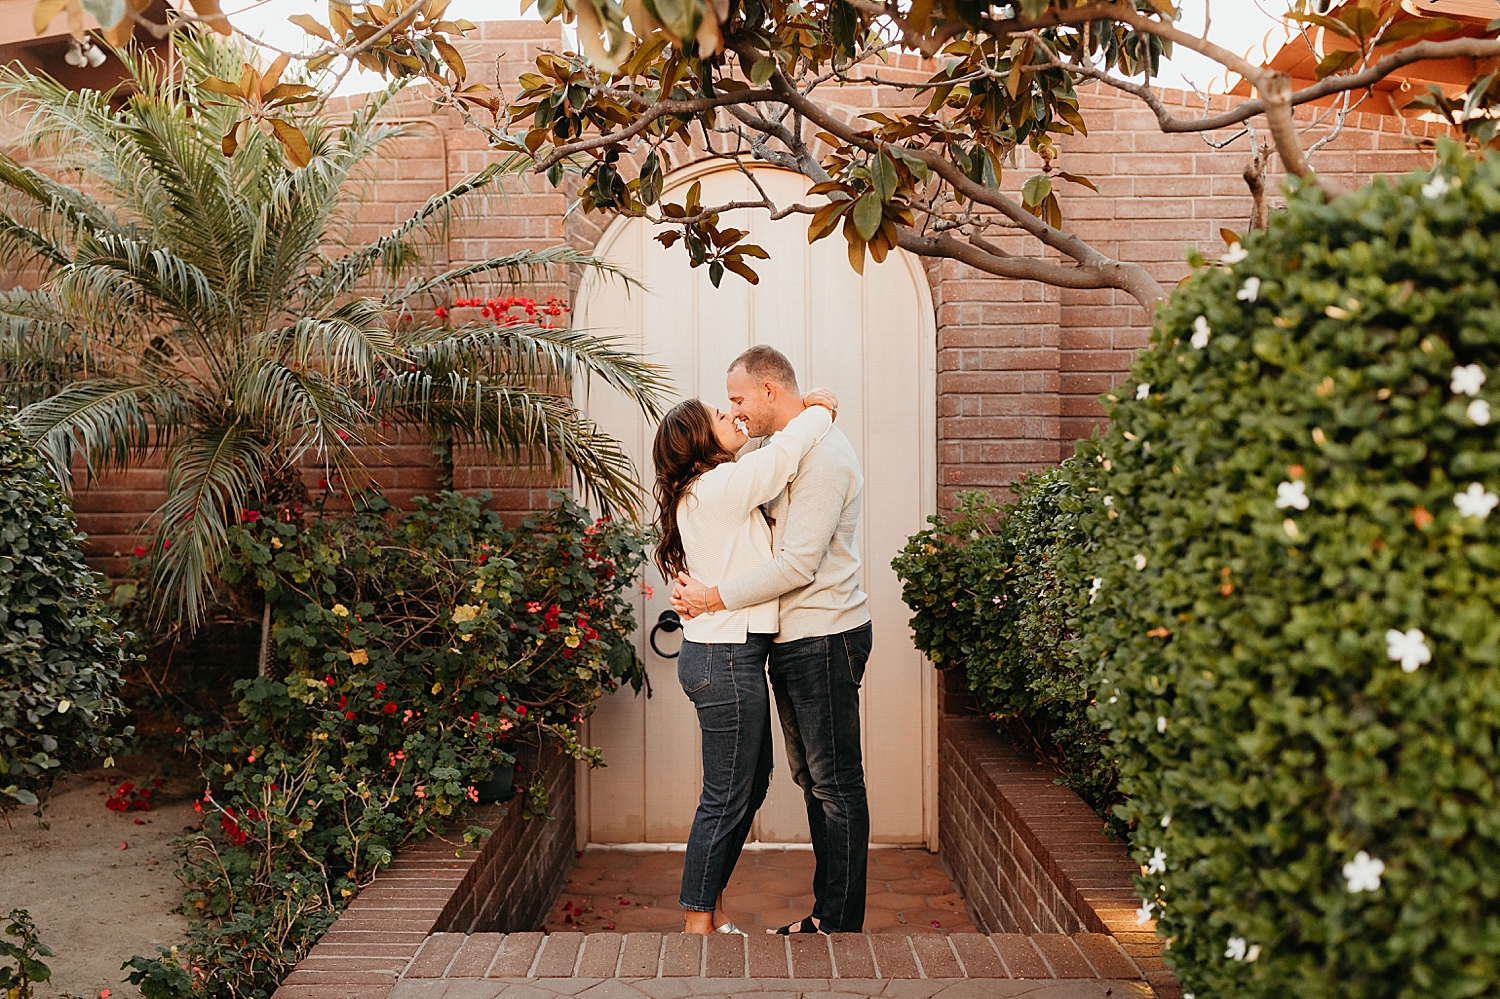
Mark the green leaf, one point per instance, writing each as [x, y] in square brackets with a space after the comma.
[867, 214]
[1036, 189]
[762, 71]
[1336, 61]
[715, 272]
[107, 12]
[883, 177]
[1417, 27]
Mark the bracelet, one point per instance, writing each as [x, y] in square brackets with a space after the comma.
[705, 600]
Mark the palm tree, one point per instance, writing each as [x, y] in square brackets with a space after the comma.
[203, 307]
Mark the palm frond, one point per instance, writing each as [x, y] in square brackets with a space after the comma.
[524, 267]
[528, 354]
[341, 275]
[212, 472]
[114, 423]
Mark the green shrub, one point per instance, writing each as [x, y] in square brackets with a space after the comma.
[18, 981]
[1296, 618]
[415, 654]
[60, 650]
[987, 599]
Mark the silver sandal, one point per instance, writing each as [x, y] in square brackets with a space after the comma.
[730, 928]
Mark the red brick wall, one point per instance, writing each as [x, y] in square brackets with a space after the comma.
[1020, 365]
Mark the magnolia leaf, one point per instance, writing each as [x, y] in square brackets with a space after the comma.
[293, 141]
[219, 86]
[43, 13]
[1332, 24]
[231, 140]
[310, 24]
[272, 77]
[751, 250]
[1336, 61]
[743, 270]
[1360, 19]
[1079, 179]
[212, 13]
[715, 272]
[451, 57]
[1036, 190]
[914, 163]
[883, 177]
[120, 35]
[107, 12]
[762, 70]
[1418, 27]
[1229, 236]
[866, 215]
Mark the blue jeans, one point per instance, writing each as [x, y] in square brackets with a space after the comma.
[727, 684]
[816, 681]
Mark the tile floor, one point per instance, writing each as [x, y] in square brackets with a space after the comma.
[635, 891]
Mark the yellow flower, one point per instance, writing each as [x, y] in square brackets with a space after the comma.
[359, 657]
[572, 642]
[341, 610]
[464, 612]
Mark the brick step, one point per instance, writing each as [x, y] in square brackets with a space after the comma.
[862, 956]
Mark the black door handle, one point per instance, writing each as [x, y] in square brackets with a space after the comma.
[668, 621]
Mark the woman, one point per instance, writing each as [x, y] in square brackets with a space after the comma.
[710, 525]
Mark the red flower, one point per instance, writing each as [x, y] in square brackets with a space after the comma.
[390, 707]
[348, 715]
[140, 551]
[249, 516]
[440, 312]
[521, 710]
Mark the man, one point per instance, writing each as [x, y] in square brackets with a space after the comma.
[818, 658]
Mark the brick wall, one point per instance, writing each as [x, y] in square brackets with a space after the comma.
[1028, 855]
[506, 885]
[1020, 365]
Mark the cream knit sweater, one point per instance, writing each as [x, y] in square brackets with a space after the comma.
[724, 533]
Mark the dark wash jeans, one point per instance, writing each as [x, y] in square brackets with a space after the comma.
[727, 684]
[816, 681]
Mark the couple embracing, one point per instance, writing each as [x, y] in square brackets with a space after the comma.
[758, 530]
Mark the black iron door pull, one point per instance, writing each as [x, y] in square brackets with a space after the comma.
[668, 621]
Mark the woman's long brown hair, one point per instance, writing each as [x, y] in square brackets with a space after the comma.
[685, 448]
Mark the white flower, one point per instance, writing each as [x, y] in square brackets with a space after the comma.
[1252, 953]
[1140, 562]
[1476, 501]
[1201, 333]
[1236, 949]
[1158, 862]
[63, 706]
[1293, 494]
[1094, 588]
[1161, 723]
[1436, 187]
[1109, 501]
[1143, 914]
[1363, 873]
[1468, 379]
[1166, 820]
[1479, 412]
[1251, 290]
[1234, 254]
[1409, 648]
[1143, 390]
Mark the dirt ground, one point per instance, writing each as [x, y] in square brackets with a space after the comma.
[98, 885]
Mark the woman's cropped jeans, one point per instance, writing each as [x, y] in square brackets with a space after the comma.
[727, 684]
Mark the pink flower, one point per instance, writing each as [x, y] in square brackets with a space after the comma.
[140, 551]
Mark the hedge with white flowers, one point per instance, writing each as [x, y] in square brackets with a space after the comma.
[1291, 596]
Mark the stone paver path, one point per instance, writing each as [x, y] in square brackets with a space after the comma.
[676, 965]
[627, 891]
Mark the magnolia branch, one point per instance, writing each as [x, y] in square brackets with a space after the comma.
[657, 110]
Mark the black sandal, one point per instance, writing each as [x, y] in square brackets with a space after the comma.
[806, 925]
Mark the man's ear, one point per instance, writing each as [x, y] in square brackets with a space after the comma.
[772, 390]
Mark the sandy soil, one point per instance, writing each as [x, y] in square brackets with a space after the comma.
[99, 886]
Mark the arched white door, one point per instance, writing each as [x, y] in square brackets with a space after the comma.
[871, 340]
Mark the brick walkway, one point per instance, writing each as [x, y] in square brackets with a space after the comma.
[676, 965]
[630, 891]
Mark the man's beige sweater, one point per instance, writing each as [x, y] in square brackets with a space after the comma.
[815, 563]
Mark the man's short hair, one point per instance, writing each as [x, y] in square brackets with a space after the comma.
[767, 364]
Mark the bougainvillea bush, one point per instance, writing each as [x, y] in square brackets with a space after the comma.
[415, 654]
[61, 651]
[1296, 566]
[988, 599]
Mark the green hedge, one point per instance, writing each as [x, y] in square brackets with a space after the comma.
[988, 599]
[61, 652]
[1296, 628]
[415, 654]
